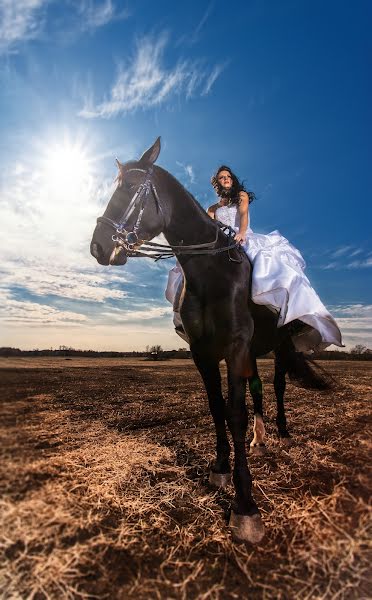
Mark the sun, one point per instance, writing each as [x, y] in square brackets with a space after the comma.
[66, 170]
[66, 188]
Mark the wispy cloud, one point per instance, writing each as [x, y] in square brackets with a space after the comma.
[355, 322]
[331, 265]
[20, 20]
[341, 258]
[24, 20]
[188, 171]
[203, 20]
[147, 314]
[360, 264]
[146, 82]
[364, 263]
[97, 14]
[341, 251]
[212, 77]
[194, 36]
[359, 310]
[33, 313]
[62, 281]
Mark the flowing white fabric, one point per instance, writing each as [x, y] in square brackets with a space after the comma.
[278, 281]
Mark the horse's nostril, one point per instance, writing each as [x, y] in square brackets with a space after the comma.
[95, 250]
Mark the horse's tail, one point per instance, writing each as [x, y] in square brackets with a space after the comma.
[302, 370]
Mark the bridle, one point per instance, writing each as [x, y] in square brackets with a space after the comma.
[130, 242]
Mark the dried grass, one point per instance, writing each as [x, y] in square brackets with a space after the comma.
[130, 515]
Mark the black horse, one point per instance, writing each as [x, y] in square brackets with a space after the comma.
[219, 318]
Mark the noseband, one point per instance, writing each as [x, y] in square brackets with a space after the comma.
[128, 240]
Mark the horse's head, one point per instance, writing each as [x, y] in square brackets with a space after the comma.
[133, 214]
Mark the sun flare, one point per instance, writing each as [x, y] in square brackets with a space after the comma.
[67, 170]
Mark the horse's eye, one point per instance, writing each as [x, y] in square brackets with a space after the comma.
[126, 185]
[130, 184]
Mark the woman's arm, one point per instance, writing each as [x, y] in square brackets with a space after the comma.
[243, 212]
[212, 210]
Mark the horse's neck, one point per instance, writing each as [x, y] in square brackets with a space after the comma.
[188, 222]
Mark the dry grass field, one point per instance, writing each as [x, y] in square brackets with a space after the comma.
[105, 487]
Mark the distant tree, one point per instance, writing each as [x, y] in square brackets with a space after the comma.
[183, 353]
[358, 349]
[5, 351]
[155, 352]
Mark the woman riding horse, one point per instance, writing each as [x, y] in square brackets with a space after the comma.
[217, 311]
[278, 278]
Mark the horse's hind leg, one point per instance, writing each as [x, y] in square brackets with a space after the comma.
[279, 388]
[257, 445]
[220, 470]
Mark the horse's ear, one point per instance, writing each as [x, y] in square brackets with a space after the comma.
[152, 153]
[120, 176]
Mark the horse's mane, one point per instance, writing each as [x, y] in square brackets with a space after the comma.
[183, 190]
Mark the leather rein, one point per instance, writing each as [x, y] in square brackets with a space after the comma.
[129, 241]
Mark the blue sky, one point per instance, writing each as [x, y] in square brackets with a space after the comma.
[280, 91]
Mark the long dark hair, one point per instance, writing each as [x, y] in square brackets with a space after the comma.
[231, 195]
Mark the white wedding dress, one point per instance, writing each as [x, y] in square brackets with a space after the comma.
[278, 281]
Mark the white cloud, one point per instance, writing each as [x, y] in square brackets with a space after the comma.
[20, 20]
[212, 77]
[32, 313]
[341, 251]
[355, 322]
[356, 310]
[360, 264]
[355, 252]
[340, 258]
[156, 312]
[97, 14]
[60, 279]
[145, 81]
[23, 20]
[189, 171]
[193, 38]
[331, 265]
[202, 21]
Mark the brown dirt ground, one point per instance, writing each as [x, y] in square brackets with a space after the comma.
[105, 486]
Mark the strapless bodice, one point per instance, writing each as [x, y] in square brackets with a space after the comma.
[229, 215]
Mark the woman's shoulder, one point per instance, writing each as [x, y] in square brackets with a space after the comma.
[212, 209]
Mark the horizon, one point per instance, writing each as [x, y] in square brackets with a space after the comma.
[285, 103]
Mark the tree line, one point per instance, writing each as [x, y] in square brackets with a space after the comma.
[156, 352]
[151, 352]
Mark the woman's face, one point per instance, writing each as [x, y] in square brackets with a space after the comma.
[224, 178]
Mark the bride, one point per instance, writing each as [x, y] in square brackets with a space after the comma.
[278, 278]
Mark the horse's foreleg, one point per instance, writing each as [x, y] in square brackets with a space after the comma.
[279, 388]
[257, 445]
[245, 518]
[220, 472]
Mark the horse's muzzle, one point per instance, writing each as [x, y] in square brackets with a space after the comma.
[118, 256]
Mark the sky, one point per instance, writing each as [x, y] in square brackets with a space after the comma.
[279, 91]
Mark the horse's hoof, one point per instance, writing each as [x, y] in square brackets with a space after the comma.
[257, 449]
[220, 480]
[286, 442]
[247, 529]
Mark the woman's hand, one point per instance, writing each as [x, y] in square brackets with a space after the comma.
[240, 237]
